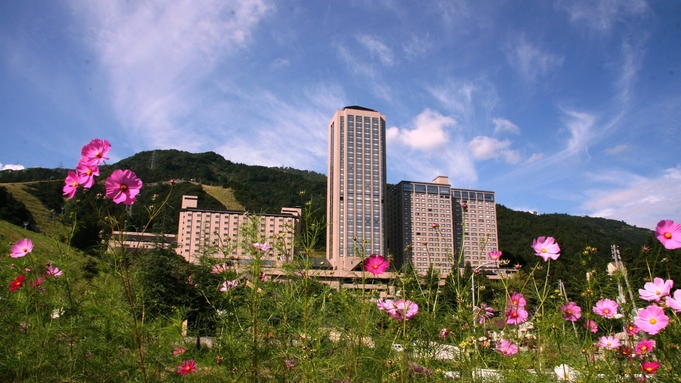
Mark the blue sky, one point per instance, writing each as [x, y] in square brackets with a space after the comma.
[557, 106]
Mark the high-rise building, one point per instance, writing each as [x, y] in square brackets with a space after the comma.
[431, 223]
[356, 186]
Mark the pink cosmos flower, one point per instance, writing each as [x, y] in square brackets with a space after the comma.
[17, 283]
[591, 325]
[669, 233]
[95, 152]
[652, 319]
[263, 247]
[571, 312]
[186, 367]
[53, 271]
[649, 367]
[517, 300]
[645, 347]
[443, 333]
[607, 308]
[228, 285]
[70, 184]
[494, 255]
[37, 282]
[516, 315]
[219, 268]
[385, 305]
[632, 329]
[179, 350]
[404, 310]
[21, 248]
[609, 342]
[482, 313]
[675, 302]
[86, 174]
[656, 290]
[546, 247]
[376, 264]
[507, 348]
[123, 186]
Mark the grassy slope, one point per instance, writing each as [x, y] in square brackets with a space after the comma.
[42, 216]
[44, 246]
[225, 196]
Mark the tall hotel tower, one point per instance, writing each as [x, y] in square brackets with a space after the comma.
[356, 186]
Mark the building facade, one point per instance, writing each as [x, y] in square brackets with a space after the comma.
[356, 186]
[222, 233]
[431, 223]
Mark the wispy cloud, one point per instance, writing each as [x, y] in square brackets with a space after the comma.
[531, 61]
[416, 46]
[617, 149]
[642, 201]
[601, 15]
[580, 125]
[486, 148]
[429, 132]
[502, 125]
[469, 101]
[377, 49]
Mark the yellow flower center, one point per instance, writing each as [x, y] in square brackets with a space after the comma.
[74, 183]
[606, 311]
[25, 250]
[376, 266]
[644, 348]
[89, 172]
[658, 292]
[543, 250]
[98, 155]
[668, 235]
[124, 187]
[653, 320]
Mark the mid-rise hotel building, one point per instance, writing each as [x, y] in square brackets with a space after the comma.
[435, 224]
[356, 186]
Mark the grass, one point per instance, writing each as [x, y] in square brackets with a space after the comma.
[42, 215]
[225, 196]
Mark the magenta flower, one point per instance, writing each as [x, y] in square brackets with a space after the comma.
[645, 347]
[186, 367]
[228, 285]
[591, 325]
[650, 366]
[669, 233]
[86, 174]
[571, 312]
[482, 313]
[656, 290]
[546, 247]
[443, 333]
[507, 348]
[70, 184]
[632, 329]
[179, 350]
[517, 300]
[607, 308]
[95, 152]
[403, 310]
[263, 247]
[21, 248]
[219, 268]
[652, 319]
[516, 315]
[494, 255]
[609, 342]
[53, 271]
[376, 264]
[675, 302]
[123, 186]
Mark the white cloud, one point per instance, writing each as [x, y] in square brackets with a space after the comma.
[530, 60]
[502, 125]
[580, 125]
[416, 47]
[11, 167]
[601, 15]
[617, 149]
[470, 102]
[429, 132]
[487, 148]
[535, 157]
[642, 202]
[377, 49]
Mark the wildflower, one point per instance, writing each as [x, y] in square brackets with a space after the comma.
[674, 303]
[37, 282]
[86, 174]
[219, 268]
[94, 153]
[186, 367]
[566, 373]
[17, 283]
[435, 225]
[656, 290]
[517, 300]
[53, 271]
[607, 308]
[546, 247]
[645, 346]
[179, 350]
[632, 329]
[506, 348]
[264, 246]
[609, 342]
[403, 310]
[646, 249]
[571, 312]
[591, 325]
[517, 266]
[289, 363]
[625, 351]
[375, 264]
[123, 186]
[516, 315]
[385, 305]
[482, 313]
[652, 319]
[669, 233]
[21, 248]
[494, 255]
[649, 367]
[418, 370]
[70, 184]
[228, 285]
[443, 333]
